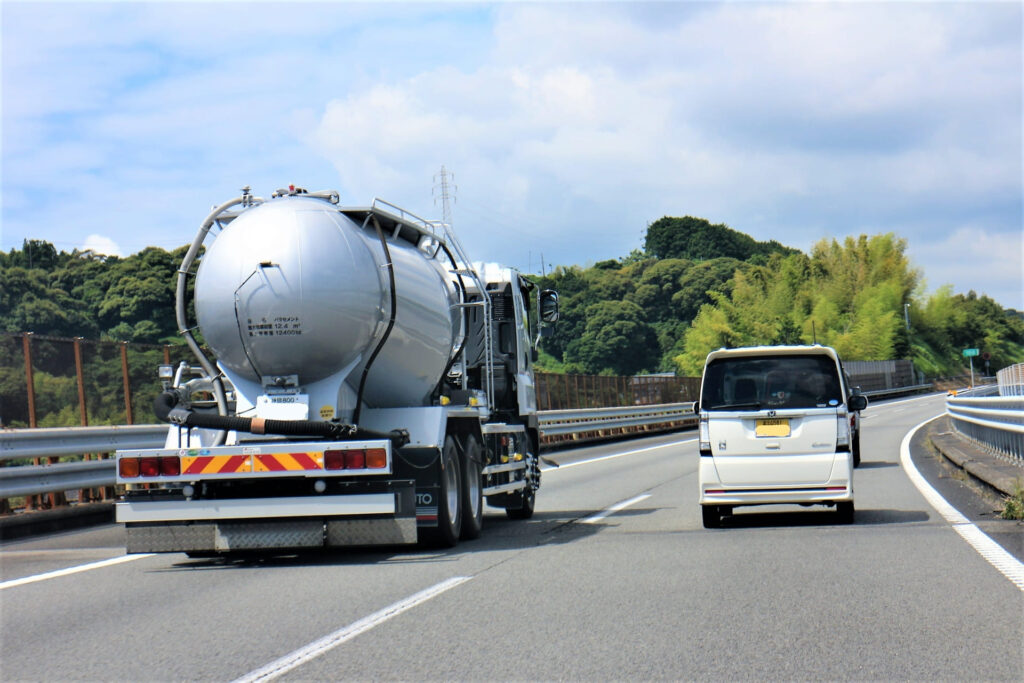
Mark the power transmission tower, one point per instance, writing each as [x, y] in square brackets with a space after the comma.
[445, 190]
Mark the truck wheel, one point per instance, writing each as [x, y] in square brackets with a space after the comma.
[856, 450]
[449, 509]
[472, 489]
[524, 505]
[711, 517]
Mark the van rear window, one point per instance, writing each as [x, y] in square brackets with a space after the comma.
[759, 382]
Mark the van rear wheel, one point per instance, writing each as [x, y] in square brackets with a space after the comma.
[845, 512]
[711, 516]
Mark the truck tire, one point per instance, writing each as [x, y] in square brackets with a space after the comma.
[449, 508]
[472, 488]
[522, 508]
[520, 504]
[856, 449]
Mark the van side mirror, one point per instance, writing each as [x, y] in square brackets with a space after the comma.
[857, 402]
[548, 305]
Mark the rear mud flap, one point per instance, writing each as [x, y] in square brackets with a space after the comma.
[427, 499]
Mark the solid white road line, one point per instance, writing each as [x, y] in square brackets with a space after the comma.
[614, 508]
[898, 401]
[299, 657]
[73, 570]
[548, 470]
[1010, 566]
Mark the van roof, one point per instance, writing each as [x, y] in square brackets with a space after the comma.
[774, 351]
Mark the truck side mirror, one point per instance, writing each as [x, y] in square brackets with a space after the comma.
[548, 305]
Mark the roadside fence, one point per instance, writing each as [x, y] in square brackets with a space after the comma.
[570, 392]
[1011, 380]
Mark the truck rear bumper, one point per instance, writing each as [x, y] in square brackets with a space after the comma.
[273, 534]
[249, 508]
[153, 525]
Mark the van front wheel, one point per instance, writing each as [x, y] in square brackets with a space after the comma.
[711, 517]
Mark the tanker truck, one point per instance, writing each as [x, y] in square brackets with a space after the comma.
[362, 383]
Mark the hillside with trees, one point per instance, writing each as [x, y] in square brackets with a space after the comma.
[696, 286]
[82, 294]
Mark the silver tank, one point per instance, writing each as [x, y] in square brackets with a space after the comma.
[295, 287]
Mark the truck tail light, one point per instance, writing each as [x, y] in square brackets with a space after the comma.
[149, 467]
[334, 460]
[167, 466]
[376, 458]
[128, 467]
[356, 459]
[170, 466]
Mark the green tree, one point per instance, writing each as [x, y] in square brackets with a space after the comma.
[848, 295]
[715, 275]
[698, 239]
[616, 338]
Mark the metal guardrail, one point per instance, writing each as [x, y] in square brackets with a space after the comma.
[31, 479]
[23, 480]
[993, 422]
[582, 421]
[61, 441]
[898, 391]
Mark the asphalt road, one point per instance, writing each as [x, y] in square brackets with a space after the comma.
[580, 592]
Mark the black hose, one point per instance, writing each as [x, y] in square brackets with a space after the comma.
[391, 321]
[168, 409]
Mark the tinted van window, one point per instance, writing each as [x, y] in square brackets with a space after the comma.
[782, 381]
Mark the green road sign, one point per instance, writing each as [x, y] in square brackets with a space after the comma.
[970, 352]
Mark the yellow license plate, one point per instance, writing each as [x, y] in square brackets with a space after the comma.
[772, 427]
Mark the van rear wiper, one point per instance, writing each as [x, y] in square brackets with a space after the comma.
[737, 406]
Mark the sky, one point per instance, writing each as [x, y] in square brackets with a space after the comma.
[569, 127]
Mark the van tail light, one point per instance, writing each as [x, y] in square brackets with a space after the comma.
[705, 436]
[842, 434]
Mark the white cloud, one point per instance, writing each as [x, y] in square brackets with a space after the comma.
[569, 126]
[98, 244]
[975, 258]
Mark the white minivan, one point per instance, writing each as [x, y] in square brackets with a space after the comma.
[775, 428]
